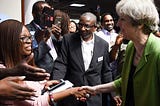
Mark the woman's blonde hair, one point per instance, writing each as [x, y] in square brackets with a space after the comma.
[141, 12]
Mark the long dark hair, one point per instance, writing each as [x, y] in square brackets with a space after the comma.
[10, 45]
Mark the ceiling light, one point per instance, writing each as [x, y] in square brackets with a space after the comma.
[77, 5]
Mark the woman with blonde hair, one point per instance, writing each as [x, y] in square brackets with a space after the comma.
[140, 78]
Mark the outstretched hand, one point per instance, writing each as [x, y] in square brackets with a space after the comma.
[11, 90]
[85, 92]
[80, 94]
[89, 90]
[31, 72]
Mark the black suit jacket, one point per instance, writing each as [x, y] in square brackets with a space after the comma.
[69, 65]
[42, 56]
[32, 27]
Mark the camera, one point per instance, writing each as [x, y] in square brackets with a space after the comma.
[48, 17]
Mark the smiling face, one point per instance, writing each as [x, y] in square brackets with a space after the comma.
[86, 27]
[26, 41]
[72, 27]
[108, 22]
[127, 29]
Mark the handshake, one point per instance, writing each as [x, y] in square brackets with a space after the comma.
[66, 88]
[83, 93]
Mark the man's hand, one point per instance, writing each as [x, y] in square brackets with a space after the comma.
[89, 89]
[56, 32]
[11, 90]
[24, 69]
[42, 35]
[31, 72]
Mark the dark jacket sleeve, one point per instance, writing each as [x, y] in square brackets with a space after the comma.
[41, 51]
[106, 71]
[60, 64]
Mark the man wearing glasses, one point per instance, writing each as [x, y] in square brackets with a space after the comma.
[83, 60]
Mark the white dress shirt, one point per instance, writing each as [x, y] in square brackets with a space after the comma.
[53, 50]
[109, 37]
[87, 52]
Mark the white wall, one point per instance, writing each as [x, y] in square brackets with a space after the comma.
[28, 10]
[11, 9]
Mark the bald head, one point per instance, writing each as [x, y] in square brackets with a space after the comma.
[89, 16]
[87, 25]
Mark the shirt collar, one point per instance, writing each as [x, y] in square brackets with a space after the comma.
[90, 41]
[37, 26]
[106, 32]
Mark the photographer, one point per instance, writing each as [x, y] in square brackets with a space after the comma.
[49, 39]
[35, 24]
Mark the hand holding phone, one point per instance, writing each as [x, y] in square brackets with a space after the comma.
[57, 21]
[58, 87]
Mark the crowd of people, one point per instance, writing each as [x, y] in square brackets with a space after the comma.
[106, 67]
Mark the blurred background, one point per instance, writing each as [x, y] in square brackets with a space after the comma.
[21, 9]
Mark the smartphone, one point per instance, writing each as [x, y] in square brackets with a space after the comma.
[61, 87]
[57, 21]
[53, 87]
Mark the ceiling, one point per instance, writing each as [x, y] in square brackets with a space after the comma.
[90, 5]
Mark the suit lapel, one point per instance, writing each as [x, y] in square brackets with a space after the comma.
[34, 27]
[96, 49]
[78, 51]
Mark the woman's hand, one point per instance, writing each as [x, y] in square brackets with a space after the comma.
[118, 100]
[89, 89]
[51, 83]
[80, 94]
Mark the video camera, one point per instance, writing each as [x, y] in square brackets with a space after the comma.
[48, 17]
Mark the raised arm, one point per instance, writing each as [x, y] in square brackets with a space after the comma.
[11, 90]
[24, 69]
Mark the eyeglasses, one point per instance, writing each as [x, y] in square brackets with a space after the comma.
[26, 38]
[86, 26]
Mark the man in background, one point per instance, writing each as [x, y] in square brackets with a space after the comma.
[35, 24]
[108, 33]
[84, 60]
